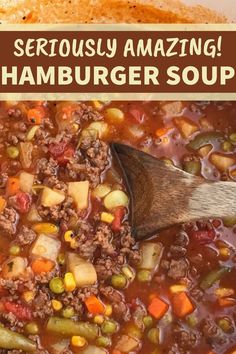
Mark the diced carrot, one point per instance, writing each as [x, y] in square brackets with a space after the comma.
[157, 308]
[35, 115]
[182, 305]
[94, 305]
[2, 204]
[40, 265]
[13, 186]
[162, 131]
[226, 302]
[115, 351]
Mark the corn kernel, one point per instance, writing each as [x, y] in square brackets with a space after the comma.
[57, 305]
[97, 104]
[224, 252]
[98, 319]
[177, 288]
[78, 341]
[107, 217]
[28, 296]
[68, 236]
[108, 310]
[74, 243]
[75, 127]
[69, 282]
[45, 228]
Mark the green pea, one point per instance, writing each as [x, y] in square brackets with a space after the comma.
[32, 328]
[103, 341]
[13, 152]
[227, 146]
[154, 335]
[118, 281]
[109, 327]
[68, 312]
[56, 285]
[14, 250]
[144, 275]
[192, 320]
[233, 137]
[61, 259]
[192, 167]
[148, 321]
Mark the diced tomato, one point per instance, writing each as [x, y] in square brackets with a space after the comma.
[22, 202]
[216, 223]
[119, 214]
[20, 311]
[203, 236]
[62, 152]
[57, 150]
[66, 156]
[137, 114]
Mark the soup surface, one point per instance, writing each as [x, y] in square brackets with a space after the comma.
[72, 278]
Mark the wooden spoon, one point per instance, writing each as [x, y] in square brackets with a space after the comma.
[163, 195]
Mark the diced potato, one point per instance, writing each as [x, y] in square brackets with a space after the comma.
[204, 151]
[79, 191]
[14, 267]
[186, 126]
[101, 190]
[114, 115]
[115, 199]
[127, 344]
[151, 255]
[205, 123]
[26, 149]
[47, 247]
[222, 162]
[51, 197]
[136, 131]
[173, 108]
[92, 349]
[26, 181]
[83, 271]
[33, 215]
[61, 346]
[100, 127]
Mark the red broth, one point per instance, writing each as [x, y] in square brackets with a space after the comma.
[73, 280]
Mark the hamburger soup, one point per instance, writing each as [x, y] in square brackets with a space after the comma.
[72, 278]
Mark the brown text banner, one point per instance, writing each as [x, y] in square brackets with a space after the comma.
[118, 62]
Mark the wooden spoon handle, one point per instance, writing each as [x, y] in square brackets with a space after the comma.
[217, 199]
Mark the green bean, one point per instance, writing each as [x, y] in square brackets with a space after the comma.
[225, 324]
[148, 321]
[144, 275]
[212, 277]
[206, 138]
[103, 341]
[109, 327]
[56, 285]
[227, 146]
[118, 281]
[128, 272]
[32, 328]
[13, 340]
[13, 152]
[68, 312]
[192, 167]
[67, 327]
[233, 137]
[229, 221]
[154, 335]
